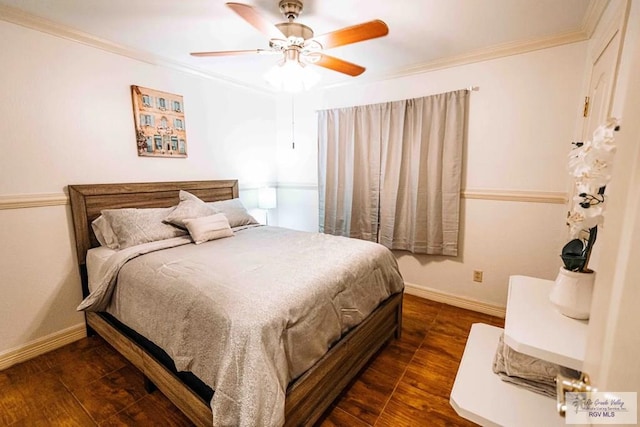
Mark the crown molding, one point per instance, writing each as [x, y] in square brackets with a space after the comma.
[592, 16]
[28, 20]
[588, 25]
[492, 52]
[496, 52]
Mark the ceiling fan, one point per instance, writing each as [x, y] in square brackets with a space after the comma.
[297, 43]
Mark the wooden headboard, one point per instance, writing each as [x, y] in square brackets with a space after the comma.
[88, 200]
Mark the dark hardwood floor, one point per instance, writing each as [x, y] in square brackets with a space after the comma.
[87, 383]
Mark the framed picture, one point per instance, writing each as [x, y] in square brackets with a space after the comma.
[159, 121]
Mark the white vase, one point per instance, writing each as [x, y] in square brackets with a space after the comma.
[571, 293]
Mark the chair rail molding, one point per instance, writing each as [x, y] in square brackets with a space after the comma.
[530, 196]
[554, 197]
[22, 201]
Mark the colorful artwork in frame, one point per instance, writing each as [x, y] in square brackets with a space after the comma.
[159, 121]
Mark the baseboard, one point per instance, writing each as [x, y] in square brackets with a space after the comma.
[42, 345]
[457, 301]
[74, 333]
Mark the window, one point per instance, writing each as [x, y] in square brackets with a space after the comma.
[149, 144]
[146, 100]
[391, 172]
[146, 120]
[177, 107]
[181, 147]
[163, 122]
[157, 139]
[177, 123]
[162, 103]
[174, 143]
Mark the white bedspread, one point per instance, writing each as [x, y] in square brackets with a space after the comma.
[249, 313]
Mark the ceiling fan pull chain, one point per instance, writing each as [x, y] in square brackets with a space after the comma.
[293, 123]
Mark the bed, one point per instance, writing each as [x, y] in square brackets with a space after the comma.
[307, 397]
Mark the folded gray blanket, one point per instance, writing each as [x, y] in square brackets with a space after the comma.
[534, 374]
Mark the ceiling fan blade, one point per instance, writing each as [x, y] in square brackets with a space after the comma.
[354, 34]
[339, 65]
[235, 52]
[258, 21]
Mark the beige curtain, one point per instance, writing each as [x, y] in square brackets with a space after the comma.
[349, 175]
[391, 172]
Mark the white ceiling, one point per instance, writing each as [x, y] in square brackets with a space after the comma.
[421, 32]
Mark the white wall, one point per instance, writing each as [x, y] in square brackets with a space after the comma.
[521, 123]
[66, 118]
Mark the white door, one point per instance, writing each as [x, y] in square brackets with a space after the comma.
[603, 72]
[613, 348]
[603, 56]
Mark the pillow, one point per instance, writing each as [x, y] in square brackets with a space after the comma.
[208, 228]
[235, 212]
[136, 226]
[189, 207]
[104, 233]
[185, 195]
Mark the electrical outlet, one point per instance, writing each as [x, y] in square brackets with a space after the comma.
[477, 276]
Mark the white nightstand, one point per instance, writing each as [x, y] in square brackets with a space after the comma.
[533, 327]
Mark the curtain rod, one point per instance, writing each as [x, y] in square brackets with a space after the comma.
[469, 88]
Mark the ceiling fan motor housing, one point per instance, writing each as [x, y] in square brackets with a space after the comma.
[295, 29]
[290, 8]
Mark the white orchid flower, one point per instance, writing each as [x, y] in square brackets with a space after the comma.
[590, 163]
[578, 221]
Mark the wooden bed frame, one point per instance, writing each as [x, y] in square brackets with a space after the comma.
[309, 396]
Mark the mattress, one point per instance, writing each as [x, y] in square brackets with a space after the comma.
[246, 314]
[96, 259]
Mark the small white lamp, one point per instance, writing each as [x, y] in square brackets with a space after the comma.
[267, 200]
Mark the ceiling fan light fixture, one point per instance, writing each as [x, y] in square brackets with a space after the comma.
[291, 75]
[298, 41]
